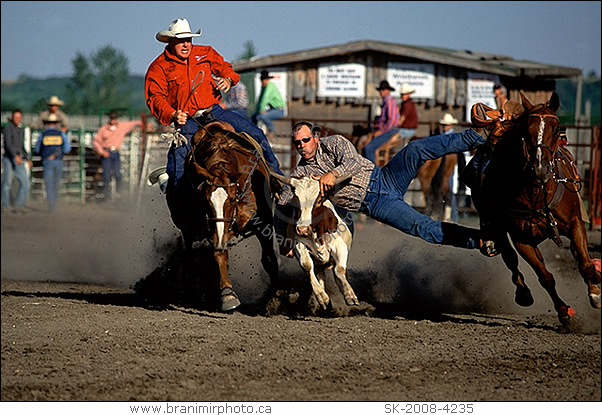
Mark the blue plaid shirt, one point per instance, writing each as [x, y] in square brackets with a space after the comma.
[336, 154]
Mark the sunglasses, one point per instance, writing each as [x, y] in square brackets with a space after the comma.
[305, 140]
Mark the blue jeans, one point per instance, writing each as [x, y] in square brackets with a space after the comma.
[176, 157]
[111, 165]
[388, 185]
[269, 117]
[53, 173]
[370, 149]
[18, 171]
[240, 111]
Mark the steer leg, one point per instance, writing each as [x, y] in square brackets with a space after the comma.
[307, 264]
[340, 253]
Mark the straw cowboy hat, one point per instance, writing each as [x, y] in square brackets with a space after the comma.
[448, 119]
[385, 85]
[179, 28]
[50, 118]
[406, 89]
[54, 100]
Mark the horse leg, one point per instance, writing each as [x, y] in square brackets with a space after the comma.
[535, 259]
[269, 260]
[587, 269]
[522, 295]
[229, 298]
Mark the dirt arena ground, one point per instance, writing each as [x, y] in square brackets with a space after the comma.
[435, 323]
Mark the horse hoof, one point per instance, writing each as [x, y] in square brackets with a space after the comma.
[230, 300]
[524, 298]
[565, 314]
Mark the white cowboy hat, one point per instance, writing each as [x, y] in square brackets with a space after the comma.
[448, 119]
[51, 118]
[406, 89]
[179, 28]
[54, 100]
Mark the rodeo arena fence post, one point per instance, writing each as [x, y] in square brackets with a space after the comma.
[144, 150]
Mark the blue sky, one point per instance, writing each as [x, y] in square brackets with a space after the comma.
[41, 39]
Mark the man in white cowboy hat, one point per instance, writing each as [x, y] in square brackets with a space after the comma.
[52, 145]
[53, 108]
[447, 123]
[408, 116]
[183, 87]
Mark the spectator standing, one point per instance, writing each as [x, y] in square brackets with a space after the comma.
[270, 106]
[54, 104]
[107, 145]
[447, 123]
[14, 163]
[52, 145]
[237, 100]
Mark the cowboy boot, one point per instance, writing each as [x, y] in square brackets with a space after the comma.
[484, 119]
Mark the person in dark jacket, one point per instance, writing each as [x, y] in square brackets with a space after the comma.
[14, 163]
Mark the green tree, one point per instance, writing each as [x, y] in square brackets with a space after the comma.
[98, 82]
[247, 77]
[249, 50]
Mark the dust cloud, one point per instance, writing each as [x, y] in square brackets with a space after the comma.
[124, 243]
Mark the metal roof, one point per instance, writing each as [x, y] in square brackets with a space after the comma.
[470, 60]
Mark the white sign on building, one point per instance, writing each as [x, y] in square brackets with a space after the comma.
[279, 79]
[479, 88]
[342, 80]
[420, 76]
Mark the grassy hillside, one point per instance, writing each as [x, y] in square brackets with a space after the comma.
[27, 93]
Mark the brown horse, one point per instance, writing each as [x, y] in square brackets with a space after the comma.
[531, 188]
[434, 182]
[226, 196]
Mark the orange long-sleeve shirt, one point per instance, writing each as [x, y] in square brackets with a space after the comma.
[170, 80]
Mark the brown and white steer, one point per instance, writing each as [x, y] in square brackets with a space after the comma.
[322, 239]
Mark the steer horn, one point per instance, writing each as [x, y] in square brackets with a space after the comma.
[282, 179]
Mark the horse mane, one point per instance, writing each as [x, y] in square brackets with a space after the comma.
[217, 146]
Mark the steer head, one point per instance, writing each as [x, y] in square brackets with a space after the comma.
[312, 218]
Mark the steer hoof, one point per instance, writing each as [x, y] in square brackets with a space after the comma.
[351, 301]
[230, 300]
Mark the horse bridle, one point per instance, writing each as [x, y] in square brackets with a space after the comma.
[540, 145]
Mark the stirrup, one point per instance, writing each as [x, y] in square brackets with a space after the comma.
[153, 176]
[488, 249]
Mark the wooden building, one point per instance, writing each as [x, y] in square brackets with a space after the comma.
[336, 85]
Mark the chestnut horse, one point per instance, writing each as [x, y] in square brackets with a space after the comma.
[227, 196]
[531, 188]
